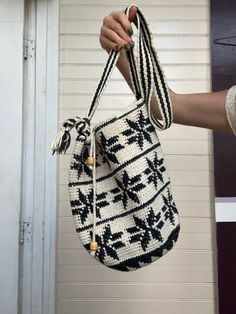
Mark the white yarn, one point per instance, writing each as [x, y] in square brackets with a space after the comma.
[94, 186]
[56, 143]
[92, 153]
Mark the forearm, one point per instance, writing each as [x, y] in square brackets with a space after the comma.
[205, 110]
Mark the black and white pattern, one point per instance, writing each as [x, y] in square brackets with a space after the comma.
[145, 230]
[128, 188]
[135, 220]
[111, 146]
[136, 214]
[138, 131]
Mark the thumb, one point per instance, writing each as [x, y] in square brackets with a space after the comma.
[132, 13]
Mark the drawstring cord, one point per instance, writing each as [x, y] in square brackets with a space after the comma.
[60, 144]
[92, 165]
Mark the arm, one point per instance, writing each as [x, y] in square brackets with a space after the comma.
[205, 110]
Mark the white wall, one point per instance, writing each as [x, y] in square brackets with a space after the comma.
[11, 45]
[183, 281]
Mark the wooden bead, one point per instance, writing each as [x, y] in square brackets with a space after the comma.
[93, 246]
[90, 161]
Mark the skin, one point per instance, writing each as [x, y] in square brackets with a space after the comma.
[206, 110]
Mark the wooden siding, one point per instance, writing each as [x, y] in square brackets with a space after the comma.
[183, 281]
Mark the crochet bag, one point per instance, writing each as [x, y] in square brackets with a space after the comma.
[119, 187]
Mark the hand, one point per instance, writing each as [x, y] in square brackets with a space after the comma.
[116, 30]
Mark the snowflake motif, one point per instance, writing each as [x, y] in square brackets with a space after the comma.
[139, 131]
[111, 146]
[155, 170]
[169, 207]
[100, 203]
[84, 205]
[81, 164]
[146, 230]
[127, 189]
[103, 159]
[108, 244]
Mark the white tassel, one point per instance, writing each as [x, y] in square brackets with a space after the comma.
[61, 142]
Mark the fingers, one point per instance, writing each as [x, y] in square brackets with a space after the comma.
[123, 20]
[112, 37]
[109, 44]
[132, 13]
[116, 30]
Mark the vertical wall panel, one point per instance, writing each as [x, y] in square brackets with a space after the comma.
[11, 129]
[184, 280]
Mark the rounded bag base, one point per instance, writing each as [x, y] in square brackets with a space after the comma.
[145, 259]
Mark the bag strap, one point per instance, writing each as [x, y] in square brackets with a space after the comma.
[146, 74]
[160, 86]
[109, 66]
[146, 77]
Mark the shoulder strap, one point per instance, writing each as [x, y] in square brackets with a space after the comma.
[146, 77]
[160, 86]
[146, 74]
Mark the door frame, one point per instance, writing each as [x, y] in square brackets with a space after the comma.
[11, 32]
[37, 251]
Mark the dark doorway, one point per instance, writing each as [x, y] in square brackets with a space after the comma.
[223, 49]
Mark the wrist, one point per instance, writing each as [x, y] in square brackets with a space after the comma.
[173, 97]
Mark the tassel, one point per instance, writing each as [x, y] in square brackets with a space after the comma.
[61, 142]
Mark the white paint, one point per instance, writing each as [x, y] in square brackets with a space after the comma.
[39, 167]
[51, 165]
[184, 280]
[11, 34]
[225, 212]
[28, 165]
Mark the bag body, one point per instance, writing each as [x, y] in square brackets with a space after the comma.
[137, 219]
[122, 201]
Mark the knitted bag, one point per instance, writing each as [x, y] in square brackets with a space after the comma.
[119, 187]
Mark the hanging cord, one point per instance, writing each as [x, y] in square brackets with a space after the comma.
[91, 161]
[61, 143]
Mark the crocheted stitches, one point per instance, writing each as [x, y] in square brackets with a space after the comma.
[230, 106]
[119, 187]
[137, 219]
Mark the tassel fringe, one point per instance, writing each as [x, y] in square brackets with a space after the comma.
[61, 142]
